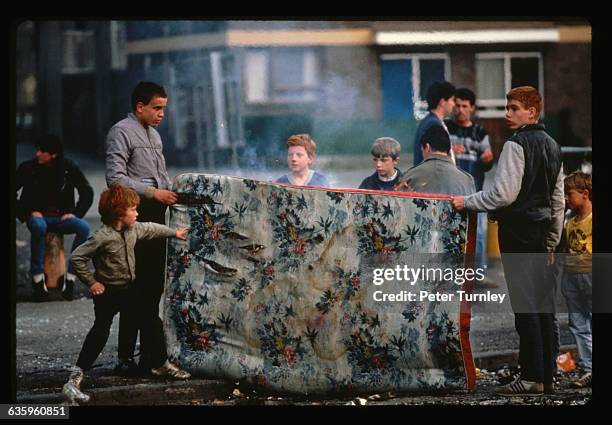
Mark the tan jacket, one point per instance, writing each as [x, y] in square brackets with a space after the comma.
[112, 253]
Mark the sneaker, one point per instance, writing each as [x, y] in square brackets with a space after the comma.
[126, 367]
[506, 376]
[521, 387]
[68, 288]
[71, 389]
[170, 370]
[39, 287]
[583, 382]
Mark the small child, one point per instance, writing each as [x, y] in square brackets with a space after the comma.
[112, 250]
[386, 156]
[300, 156]
[577, 284]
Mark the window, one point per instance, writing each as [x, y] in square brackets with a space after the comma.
[497, 73]
[406, 78]
[79, 51]
[282, 75]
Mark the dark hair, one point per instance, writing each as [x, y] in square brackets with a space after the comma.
[145, 91]
[437, 138]
[437, 91]
[466, 94]
[115, 201]
[50, 143]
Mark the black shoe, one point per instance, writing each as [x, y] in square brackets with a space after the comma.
[40, 292]
[68, 289]
[126, 368]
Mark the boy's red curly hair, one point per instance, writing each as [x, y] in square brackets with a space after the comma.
[304, 141]
[528, 96]
[115, 201]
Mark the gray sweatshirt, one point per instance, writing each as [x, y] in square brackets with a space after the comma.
[133, 153]
[507, 185]
[112, 253]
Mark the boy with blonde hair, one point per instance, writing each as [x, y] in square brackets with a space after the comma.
[577, 283]
[300, 156]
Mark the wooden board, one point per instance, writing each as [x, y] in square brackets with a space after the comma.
[55, 260]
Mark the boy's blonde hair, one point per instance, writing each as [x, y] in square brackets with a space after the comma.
[115, 201]
[528, 96]
[386, 146]
[304, 141]
[579, 181]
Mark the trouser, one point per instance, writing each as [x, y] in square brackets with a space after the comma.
[150, 257]
[531, 287]
[39, 226]
[577, 288]
[106, 306]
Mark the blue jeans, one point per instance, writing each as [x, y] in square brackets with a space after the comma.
[577, 288]
[481, 240]
[39, 226]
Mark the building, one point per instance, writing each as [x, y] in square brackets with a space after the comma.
[239, 88]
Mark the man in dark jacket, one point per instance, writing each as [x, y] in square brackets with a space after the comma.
[46, 204]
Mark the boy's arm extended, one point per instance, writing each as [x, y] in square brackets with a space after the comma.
[149, 230]
[80, 260]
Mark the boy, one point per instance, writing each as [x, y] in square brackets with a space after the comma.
[440, 102]
[386, 155]
[134, 158]
[47, 204]
[300, 156]
[527, 200]
[577, 286]
[112, 250]
[470, 143]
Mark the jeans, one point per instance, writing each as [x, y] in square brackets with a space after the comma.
[40, 226]
[481, 240]
[577, 288]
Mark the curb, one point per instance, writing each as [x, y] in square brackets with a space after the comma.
[142, 393]
[205, 389]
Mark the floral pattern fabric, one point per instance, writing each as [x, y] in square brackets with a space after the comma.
[275, 287]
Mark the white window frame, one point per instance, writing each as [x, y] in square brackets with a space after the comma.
[490, 105]
[79, 52]
[420, 102]
[273, 88]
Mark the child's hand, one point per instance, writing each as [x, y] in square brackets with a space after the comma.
[181, 233]
[97, 289]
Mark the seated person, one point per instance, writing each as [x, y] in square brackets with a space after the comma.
[437, 173]
[300, 156]
[386, 156]
[46, 204]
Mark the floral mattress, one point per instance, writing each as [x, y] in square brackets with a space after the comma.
[275, 287]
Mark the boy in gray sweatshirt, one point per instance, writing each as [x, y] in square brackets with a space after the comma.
[111, 249]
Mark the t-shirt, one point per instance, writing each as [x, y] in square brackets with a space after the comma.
[316, 179]
[475, 141]
[580, 244]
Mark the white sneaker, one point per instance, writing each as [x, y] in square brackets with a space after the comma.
[170, 370]
[71, 389]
